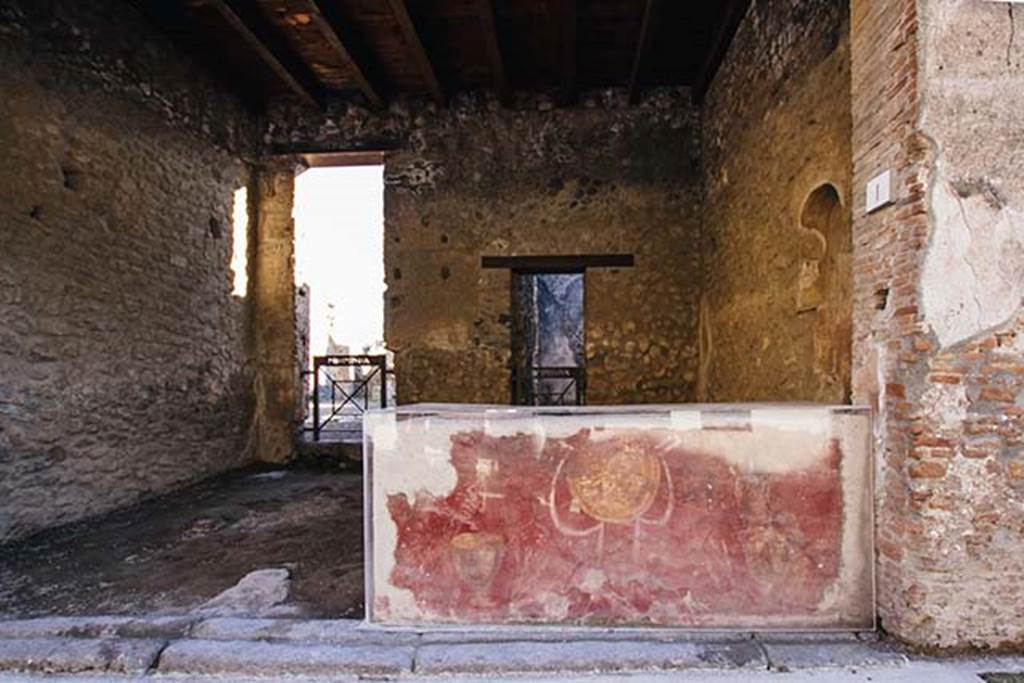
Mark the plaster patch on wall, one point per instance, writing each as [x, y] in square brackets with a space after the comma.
[973, 277]
[948, 403]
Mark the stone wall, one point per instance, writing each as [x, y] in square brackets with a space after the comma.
[122, 352]
[936, 99]
[776, 128]
[601, 179]
[476, 179]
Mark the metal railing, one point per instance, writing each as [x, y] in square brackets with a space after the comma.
[338, 404]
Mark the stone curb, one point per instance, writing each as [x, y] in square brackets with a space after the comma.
[352, 632]
[576, 634]
[344, 631]
[316, 631]
[262, 647]
[222, 660]
[592, 657]
[274, 660]
[98, 627]
[79, 655]
[813, 636]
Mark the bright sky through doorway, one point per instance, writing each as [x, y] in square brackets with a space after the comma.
[339, 253]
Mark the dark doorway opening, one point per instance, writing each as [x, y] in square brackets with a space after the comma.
[548, 363]
[548, 337]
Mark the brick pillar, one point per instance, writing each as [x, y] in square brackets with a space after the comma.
[936, 326]
[274, 330]
[885, 108]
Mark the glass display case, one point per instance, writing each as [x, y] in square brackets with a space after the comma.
[715, 516]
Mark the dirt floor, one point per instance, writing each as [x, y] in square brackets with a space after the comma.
[174, 553]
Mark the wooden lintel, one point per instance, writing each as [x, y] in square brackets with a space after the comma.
[286, 69]
[415, 46]
[327, 28]
[641, 50]
[567, 263]
[332, 159]
[731, 20]
[489, 28]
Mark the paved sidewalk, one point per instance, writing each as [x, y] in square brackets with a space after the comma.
[231, 648]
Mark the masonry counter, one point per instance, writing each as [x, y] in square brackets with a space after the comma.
[713, 516]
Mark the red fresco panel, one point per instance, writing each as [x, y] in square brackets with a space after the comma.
[746, 517]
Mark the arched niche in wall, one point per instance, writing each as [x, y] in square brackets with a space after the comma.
[825, 287]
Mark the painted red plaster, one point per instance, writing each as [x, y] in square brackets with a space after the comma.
[639, 532]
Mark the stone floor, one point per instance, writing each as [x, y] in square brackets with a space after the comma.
[173, 554]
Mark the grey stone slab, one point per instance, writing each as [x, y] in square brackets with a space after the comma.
[260, 593]
[584, 657]
[97, 627]
[157, 627]
[269, 660]
[497, 634]
[808, 636]
[79, 655]
[82, 627]
[818, 654]
[313, 631]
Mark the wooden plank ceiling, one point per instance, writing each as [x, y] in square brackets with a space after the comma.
[384, 49]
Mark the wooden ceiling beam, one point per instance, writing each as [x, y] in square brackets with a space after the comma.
[415, 45]
[568, 24]
[242, 18]
[732, 17]
[489, 27]
[327, 25]
[650, 7]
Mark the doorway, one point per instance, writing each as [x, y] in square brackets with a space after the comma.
[339, 278]
[548, 338]
[548, 364]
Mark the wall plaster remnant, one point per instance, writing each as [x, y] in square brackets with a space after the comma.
[973, 276]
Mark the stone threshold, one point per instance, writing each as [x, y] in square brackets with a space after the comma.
[226, 647]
